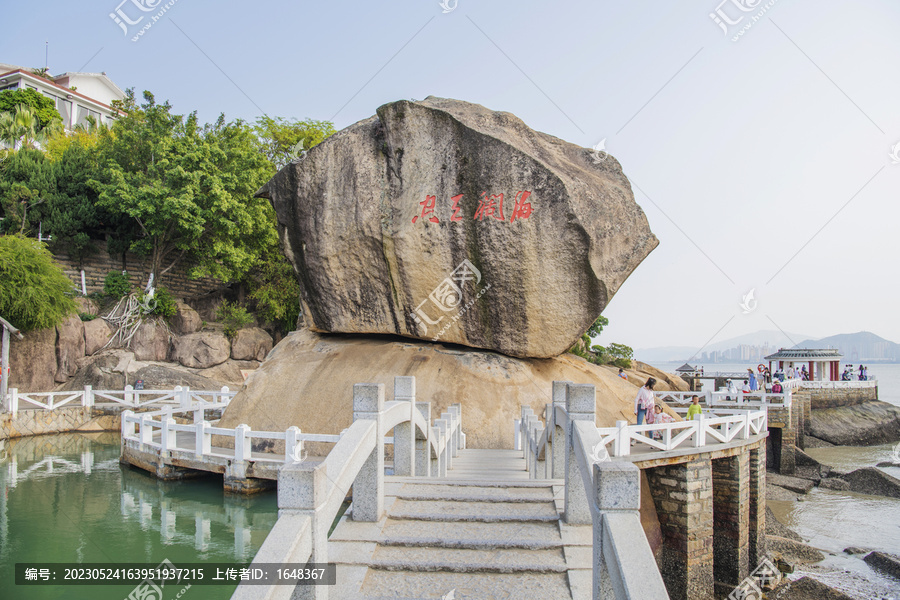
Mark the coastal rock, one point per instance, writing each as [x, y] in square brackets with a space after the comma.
[96, 333]
[807, 588]
[857, 550]
[443, 220]
[151, 341]
[186, 319]
[887, 563]
[308, 379]
[814, 442]
[834, 483]
[875, 482]
[775, 527]
[69, 347]
[202, 350]
[794, 484]
[792, 550]
[864, 424]
[32, 361]
[251, 343]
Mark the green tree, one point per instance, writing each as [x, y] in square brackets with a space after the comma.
[22, 128]
[282, 140]
[34, 292]
[42, 106]
[274, 290]
[188, 188]
[26, 184]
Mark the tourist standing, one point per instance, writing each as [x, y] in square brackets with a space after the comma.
[661, 418]
[790, 372]
[754, 385]
[694, 409]
[644, 401]
[776, 387]
[865, 373]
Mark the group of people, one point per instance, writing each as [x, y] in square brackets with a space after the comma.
[847, 375]
[646, 408]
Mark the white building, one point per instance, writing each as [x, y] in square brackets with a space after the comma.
[92, 97]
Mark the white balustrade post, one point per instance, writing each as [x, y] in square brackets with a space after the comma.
[199, 414]
[126, 425]
[708, 399]
[167, 437]
[87, 399]
[530, 462]
[622, 443]
[422, 449]
[517, 425]
[242, 445]
[443, 435]
[185, 400]
[14, 401]
[745, 425]
[202, 440]
[293, 445]
[617, 490]
[450, 438]
[456, 409]
[523, 430]
[404, 438]
[558, 467]
[581, 404]
[368, 488]
[435, 461]
[128, 396]
[303, 490]
[700, 430]
[146, 433]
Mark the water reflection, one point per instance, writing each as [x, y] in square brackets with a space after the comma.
[66, 498]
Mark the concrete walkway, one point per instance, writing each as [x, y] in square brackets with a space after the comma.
[485, 531]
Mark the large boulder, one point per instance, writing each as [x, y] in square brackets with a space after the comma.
[151, 341]
[865, 424]
[96, 334]
[186, 319]
[202, 350]
[308, 378]
[32, 361]
[443, 220]
[251, 343]
[69, 347]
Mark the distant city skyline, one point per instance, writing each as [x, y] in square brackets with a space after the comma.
[767, 163]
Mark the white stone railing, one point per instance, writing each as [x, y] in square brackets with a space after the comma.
[310, 494]
[129, 397]
[839, 385]
[757, 399]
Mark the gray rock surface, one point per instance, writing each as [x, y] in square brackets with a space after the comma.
[807, 588]
[834, 483]
[251, 343]
[794, 484]
[151, 341]
[32, 361]
[69, 347]
[792, 550]
[355, 219]
[865, 424]
[889, 563]
[202, 350]
[876, 482]
[776, 527]
[186, 319]
[96, 333]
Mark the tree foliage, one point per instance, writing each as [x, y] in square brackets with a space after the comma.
[189, 189]
[42, 106]
[34, 292]
[274, 290]
[282, 140]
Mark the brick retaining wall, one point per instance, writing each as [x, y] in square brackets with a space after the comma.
[40, 422]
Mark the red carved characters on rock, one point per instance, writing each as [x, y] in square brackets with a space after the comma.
[489, 206]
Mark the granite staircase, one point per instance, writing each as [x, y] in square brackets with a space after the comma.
[485, 531]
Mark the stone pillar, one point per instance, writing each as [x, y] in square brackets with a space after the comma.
[404, 440]
[682, 495]
[303, 489]
[558, 434]
[785, 421]
[617, 489]
[581, 404]
[423, 448]
[731, 518]
[368, 487]
[756, 537]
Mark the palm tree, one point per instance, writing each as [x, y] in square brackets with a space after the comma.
[22, 129]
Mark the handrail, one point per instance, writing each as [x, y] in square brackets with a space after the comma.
[310, 494]
[128, 397]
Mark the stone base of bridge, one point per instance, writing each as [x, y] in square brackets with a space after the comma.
[711, 511]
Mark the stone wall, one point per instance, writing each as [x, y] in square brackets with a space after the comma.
[824, 398]
[99, 264]
[731, 518]
[756, 539]
[40, 422]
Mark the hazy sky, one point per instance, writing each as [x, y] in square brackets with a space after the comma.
[762, 163]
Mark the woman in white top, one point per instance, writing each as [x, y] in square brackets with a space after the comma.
[644, 401]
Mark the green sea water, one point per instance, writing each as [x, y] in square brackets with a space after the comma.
[66, 498]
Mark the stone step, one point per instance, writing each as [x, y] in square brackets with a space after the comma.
[475, 493]
[381, 584]
[443, 510]
[469, 534]
[468, 560]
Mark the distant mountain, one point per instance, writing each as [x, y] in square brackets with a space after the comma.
[664, 354]
[772, 338]
[863, 347]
